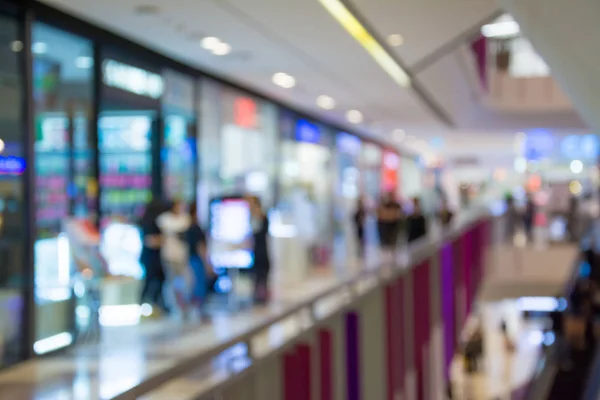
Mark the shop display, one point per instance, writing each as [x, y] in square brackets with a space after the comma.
[230, 233]
[179, 159]
[125, 165]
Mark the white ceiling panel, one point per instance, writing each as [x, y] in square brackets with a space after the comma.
[425, 25]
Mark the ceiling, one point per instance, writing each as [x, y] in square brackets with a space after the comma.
[301, 38]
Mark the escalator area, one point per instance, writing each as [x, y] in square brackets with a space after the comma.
[569, 367]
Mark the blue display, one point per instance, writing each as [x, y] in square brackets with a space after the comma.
[307, 132]
[12, 165]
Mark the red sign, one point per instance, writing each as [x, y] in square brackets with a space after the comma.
[389, 170]
[245, 113]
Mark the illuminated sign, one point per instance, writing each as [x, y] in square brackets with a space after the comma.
[307, 132]
[539, 144]
[132, 79]
[586, 147]
[12, 165]
[245, 113]
[348, 143]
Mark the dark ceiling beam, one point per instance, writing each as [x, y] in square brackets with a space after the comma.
[451, 45]
[426, 98]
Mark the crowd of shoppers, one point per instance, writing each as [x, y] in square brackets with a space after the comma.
[394, 224]
[175, 257]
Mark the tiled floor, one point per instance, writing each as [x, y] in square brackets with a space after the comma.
[502, 372]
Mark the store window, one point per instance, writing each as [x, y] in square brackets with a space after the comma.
[238, 145]
[13, 228]
[178, 154]
[346, 180]
[306, 184]
[64, 168]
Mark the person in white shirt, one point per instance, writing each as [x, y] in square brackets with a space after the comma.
[174, 224]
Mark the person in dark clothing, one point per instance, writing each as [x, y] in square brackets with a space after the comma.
[359, 224]
[150, 258]
[529, 216]
[417, 223]
[389, 217]
[262, 263]
[199, 259]
[445, 215]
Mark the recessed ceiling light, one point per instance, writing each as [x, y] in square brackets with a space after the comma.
[39, 48]
[221, 49]
[210, 42]
[395, 40]
[84, 62]
[354, 116]
[326, 102]
[284, 80]
[399, 135]
[16, 46]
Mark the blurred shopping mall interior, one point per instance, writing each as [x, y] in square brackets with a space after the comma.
[485, 110]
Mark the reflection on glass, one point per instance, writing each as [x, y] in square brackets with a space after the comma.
[62, 92]
[124, 141]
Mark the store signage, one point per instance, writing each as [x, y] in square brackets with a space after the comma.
[132, 79]
[307, 132]
[578, 147]
[539, 144]
[12, 165]
[390, 166]
[245, 113]
[347, 143]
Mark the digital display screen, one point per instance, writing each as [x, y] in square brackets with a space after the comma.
[52, 174]
[179, 159]
[230, 232]
[125, 165]
[307, 132]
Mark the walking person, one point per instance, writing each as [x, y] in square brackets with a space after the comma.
[199, 260]
[262, 261]
[389, 217]
[417, 223]
[360, 216]
[174, 223]
[529, 217]
[150, 257]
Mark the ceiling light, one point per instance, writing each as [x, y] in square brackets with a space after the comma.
[354, 116]
[339, 11]
[16, 46]
[210, 42]
[326, 102]
[399, 135]
[84, 62]
[1, 146]
[39, 48]
[284, 80]
[395, 40]
[501, 29]
[221, 49]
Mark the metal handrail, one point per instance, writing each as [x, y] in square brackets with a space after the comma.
[381, 274]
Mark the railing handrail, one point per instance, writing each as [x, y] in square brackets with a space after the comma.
[418, 252]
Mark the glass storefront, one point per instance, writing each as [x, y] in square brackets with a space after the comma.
[179, 150]
[106, 128]
[305, 184]
[13, 228]
[347, 192]
[238, 142]
[64, 167]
